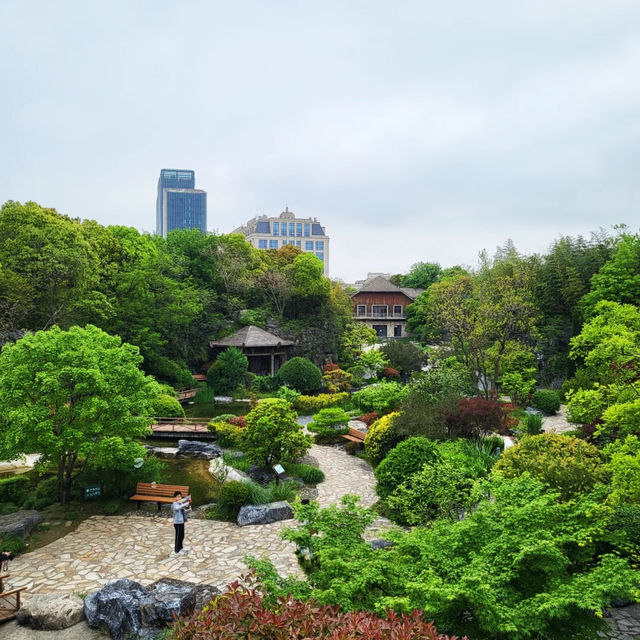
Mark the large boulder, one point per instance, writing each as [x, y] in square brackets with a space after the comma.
[218, 469]
[128, 610]
[116, 608]
[261, 475]
[198, 449]
[19, 523]
[163, 452]
[264, 513]
[51, 611]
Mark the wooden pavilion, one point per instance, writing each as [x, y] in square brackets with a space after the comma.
[266, 352]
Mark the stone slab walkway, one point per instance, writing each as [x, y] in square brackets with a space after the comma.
[105, 548]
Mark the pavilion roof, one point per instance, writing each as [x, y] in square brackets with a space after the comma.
[251, 337]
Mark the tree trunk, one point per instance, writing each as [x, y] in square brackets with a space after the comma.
[61, 469]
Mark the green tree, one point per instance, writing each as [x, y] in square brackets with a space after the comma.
[608, 348]
[273, 434]
[77, 397]
[356, 336]
[406, 357]
[228, 372]
[300, 374]
[422, 275]
[49, 270]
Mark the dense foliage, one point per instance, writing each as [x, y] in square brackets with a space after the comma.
[78, 397]
[228, 372]
[243, 612]
[382, 397]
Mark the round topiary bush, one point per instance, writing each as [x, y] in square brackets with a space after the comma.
[228, 372]
[300, 374]
[403, 461]
[547, 400]
[166, 406]
[381, 438]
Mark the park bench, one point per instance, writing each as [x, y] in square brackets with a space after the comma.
[9, 600]
[355, 435]
[153, 492]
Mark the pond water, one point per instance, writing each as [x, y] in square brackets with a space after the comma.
[194, 473]
[212, 410]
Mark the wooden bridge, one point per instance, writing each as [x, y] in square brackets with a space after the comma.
[186, 394]
[180, 428]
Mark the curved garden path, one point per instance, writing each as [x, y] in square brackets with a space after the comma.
[105, 548]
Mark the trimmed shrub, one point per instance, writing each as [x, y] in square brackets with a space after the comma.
[439, 490]
[48, 491]
[264, 384]
[567, 465]
[232, 496]
[14, 489]
[403, 356]
[382, 397]
[390, 373]
[625, 522]
[244, 613]
[337, 380]
[312, 404]
[329, 424]
[228, 372]
[300, 374]
[13, 544]
[227, 434]
[166, 406]
[306, 473]
[402, 462]
[369, 418]
[7, 507]
[546, 400]
[381, 438]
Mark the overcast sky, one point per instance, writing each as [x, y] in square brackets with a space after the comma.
[414, 131]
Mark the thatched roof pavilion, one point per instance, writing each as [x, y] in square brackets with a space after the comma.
[265, 351]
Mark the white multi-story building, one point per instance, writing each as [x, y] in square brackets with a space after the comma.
[307, 234]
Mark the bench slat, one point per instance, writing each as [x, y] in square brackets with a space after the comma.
[160, 493]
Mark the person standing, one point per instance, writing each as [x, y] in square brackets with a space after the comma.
[178, 507]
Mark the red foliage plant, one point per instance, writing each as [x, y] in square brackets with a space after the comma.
[390, 373]
[369, 418]
[242, 614]
[238, 421]
[330, 366]
[476, 417]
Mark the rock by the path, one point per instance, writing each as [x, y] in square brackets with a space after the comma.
[263, 476]
[264, 513]
[116, 607]
[163, 452]
[19, 523]
[51, 611]
[219, 469]
[379, 543]
[166, 599]
[198, 449]
[202, 593]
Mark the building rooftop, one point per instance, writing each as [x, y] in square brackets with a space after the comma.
[251, 337]
[381, 284]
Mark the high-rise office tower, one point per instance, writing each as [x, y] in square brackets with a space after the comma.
[179, 204]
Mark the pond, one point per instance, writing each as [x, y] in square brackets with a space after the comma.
[194, 473]
[212, 410]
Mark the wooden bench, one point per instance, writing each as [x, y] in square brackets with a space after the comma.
[355, 435]
[9, 600]
[150, 492]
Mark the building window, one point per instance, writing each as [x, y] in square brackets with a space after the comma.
[284, 243]
[319, 245]
[273, 244]
[262, 244]
[397, 331]
[308, 245]
[380, 329]
[276, 228]
[379, 310]
[397, 310]
[321, 256]
[298, 243]
[292, 228]
[307, 229]
[299, 229]
[362, 309]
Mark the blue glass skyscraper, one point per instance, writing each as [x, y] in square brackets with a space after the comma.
[179, 204]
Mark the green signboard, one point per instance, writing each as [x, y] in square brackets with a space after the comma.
[93, 491]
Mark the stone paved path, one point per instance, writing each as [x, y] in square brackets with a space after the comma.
[104, 548]
[558, 423]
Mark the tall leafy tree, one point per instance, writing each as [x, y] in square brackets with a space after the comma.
[77, 397]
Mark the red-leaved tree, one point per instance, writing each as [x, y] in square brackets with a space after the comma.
[475, 418]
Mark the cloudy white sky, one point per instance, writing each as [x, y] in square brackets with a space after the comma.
[413, 130]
